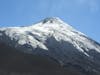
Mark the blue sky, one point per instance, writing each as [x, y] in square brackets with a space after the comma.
[84, 15]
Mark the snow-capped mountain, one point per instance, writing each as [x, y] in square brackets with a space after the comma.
[55, 40]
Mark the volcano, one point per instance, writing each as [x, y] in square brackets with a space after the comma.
[49, 47]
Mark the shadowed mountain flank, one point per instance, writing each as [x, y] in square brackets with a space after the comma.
[15, 62]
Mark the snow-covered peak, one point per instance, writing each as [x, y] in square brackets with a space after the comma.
[53, 23]
[55, 39]
[52, 20]
[37, 35]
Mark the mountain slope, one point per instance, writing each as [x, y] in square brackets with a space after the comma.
[50, 44]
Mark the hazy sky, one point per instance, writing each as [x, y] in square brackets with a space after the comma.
[84, 15]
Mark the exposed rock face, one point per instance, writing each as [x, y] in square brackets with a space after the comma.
[50, 47]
